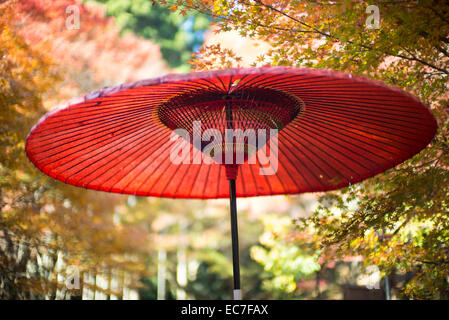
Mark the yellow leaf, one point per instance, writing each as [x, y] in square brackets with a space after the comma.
[173, 7]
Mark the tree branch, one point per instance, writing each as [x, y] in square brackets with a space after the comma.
[328, 35]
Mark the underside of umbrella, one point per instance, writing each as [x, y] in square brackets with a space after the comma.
[321, 130]
[336, 130]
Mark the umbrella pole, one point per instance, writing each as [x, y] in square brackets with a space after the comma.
[235, 240]
[231, 175]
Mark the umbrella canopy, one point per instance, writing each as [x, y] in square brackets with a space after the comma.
[334, 129]
[291, 131]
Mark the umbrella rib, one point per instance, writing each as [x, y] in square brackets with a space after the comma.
[294, 87]
[344, 147]
[351, 136]
[161, 172]
[379, 165]
[135, 137]
[349, 168]
[206, 180]
[77, 125]
[291, 83]
[345, 94]
[100, 115]
[117, 139]
[329, 155]
[354, 138]
[265, 177]
[87, 147]
[254, 178]
[195, 179]
[183, 177]
[140, 136]
[199, 85]
[353, 121]
[332, 109]
[287, 156]
[355, 97]
[213, 84]
[365, 111]
[261, 81]
[241, 179]
[250, 117]
[277, 176]
[320, 84]
[189, 85]
[49, 136]
[310, 160]
[288, 173]
[144, 169]
[217, 191]
[230, 84]
[317, 179]
[98, 104]
[315, 81]
[250, 82]
[363, 129]
[310, 152]
[87, 131]
[171, 177]
[223, 85]
[243, 77]
[128, 128]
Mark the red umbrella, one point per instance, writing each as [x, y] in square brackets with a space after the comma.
[308, 130]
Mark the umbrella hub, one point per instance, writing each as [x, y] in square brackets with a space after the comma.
[231, 126]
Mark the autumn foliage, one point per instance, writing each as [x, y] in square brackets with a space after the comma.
[46, 227]
[398, 220]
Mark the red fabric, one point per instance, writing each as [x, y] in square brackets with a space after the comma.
[113, 140]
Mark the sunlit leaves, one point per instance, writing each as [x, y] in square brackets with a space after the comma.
[47, 226]
[284, 262]
[397, 220]
[177, 34]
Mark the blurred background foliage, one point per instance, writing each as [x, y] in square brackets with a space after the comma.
[323, 246]
[398, 220]
[177, 35]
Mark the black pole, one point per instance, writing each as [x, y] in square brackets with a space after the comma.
[387, 288]
[233, 206]
[235, 240]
